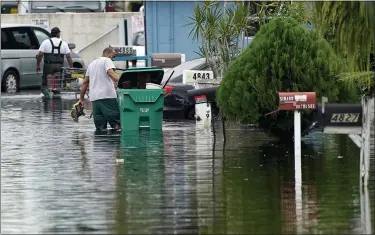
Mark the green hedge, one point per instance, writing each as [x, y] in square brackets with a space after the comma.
[284, 56]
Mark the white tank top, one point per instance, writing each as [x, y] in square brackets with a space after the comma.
[101, 85]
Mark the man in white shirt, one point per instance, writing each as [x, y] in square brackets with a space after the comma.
[101, 79]
[53, 49]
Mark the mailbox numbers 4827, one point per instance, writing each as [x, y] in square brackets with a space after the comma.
[345, 117]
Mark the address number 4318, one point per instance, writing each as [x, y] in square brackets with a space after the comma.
[345, 117]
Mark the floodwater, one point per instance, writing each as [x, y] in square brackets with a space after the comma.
[58, 176]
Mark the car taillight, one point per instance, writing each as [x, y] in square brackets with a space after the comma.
[200, 99]
[168, 90]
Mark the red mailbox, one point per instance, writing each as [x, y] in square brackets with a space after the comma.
[297, 100]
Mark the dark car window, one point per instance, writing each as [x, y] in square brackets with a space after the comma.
[23, 39]
[5, 43]
[40, 35]
[139, 39]
[9, 7]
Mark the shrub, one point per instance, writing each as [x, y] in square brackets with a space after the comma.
[284, 56]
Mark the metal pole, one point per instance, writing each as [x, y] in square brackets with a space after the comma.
[367, 107]
[145, 29]
[298, 169]
[297, 134]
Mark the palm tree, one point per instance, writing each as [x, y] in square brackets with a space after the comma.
[220, 31]
[351, 25]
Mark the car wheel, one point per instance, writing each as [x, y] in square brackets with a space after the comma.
[10, 82]
[190, 114]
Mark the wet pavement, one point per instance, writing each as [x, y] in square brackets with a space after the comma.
[58, 176]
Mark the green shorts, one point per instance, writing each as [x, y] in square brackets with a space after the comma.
[106, 111]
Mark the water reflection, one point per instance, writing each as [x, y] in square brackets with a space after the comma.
[180, 183]
[140, 178]
[337, 185]
[81, 141]
[58, 176]
[365, 212]
[165, 187]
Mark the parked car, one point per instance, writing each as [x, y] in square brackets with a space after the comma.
[197, 64]
[181, 102]
[19, 47]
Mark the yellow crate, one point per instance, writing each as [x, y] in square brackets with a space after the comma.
[14, 10]
[78, 75]
[81, 75]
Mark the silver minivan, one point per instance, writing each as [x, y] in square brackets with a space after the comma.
[19, 47]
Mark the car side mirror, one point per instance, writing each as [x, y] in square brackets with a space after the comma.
[71, 45]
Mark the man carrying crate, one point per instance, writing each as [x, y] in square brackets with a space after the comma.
[53, 49]
[101, 79]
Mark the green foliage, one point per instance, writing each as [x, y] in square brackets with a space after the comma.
[300, 11]
[351, 26]
[361, 82]
[219, 31]
[284, 56]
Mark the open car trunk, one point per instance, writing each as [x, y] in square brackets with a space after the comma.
[137, 78]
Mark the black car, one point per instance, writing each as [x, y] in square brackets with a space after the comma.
[181, 102]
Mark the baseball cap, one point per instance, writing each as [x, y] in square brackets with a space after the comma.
[55, 30]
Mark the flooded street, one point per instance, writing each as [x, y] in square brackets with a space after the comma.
[58, 176]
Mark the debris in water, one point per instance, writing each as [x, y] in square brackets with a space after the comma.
[119, 160]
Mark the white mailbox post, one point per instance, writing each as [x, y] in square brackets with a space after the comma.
[203, 112]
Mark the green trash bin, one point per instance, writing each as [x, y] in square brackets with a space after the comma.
[140, 107]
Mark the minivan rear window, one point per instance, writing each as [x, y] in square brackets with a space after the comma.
[17, 38]
[22, 39]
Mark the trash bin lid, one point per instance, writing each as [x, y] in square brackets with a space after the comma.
[155, 75]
